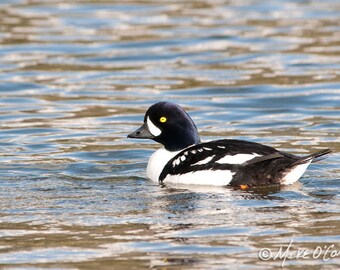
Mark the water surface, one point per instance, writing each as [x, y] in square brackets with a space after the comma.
[76, 77]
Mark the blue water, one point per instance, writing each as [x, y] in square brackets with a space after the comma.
[77, 77]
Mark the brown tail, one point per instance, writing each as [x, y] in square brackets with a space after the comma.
[315, 157]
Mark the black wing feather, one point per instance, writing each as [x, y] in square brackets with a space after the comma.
[184, 162]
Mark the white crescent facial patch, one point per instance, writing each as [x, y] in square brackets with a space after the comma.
[155, 131]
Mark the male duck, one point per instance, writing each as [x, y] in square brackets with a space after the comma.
[184, 159]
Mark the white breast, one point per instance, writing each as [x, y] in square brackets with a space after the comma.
[157, 162]
[204, 177]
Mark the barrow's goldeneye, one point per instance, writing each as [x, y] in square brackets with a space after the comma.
[184, 159]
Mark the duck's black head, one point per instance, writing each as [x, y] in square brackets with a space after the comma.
[168, 124]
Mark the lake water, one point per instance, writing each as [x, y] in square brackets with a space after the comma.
[77, 76]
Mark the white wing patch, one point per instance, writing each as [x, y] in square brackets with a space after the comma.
[203, 161]
[295, 174]
[205, 177]
[176, 162]
[155, 131]
[237, 159]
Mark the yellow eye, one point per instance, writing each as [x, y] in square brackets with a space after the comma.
[162, 119]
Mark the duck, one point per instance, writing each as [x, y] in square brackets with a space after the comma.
[184, 159]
